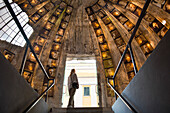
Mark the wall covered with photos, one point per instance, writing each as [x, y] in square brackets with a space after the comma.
[102, 27]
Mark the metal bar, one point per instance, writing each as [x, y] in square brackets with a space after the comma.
[115, 88]
[25, 36]
[39, 98]
[132, 56]
[120, 62]
[108, 79]
[23, 60]
[133, 34]
[139, 20]
[123, 100]
[133, 59]
[46, 97]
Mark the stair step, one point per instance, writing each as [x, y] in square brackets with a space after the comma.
[81, 110]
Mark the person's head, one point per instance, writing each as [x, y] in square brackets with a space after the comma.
[72, 71]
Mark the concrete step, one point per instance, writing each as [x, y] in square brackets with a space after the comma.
[82, 110]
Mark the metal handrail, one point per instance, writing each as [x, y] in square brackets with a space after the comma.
[39, 98]
[132, 57]
[25, 36]
[122, 98]
[24, 58]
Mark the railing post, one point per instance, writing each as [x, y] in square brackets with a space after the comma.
[120, 62]
[133, 59]
[115, 88]
[23, 60]
[123, 100]
[39, 98]
[46, 97]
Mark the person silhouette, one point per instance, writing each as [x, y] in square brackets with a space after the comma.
[73, 84]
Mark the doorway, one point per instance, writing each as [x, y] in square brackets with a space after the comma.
[87, 94]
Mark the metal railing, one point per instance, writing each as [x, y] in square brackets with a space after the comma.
[24, 59]
[132, 57]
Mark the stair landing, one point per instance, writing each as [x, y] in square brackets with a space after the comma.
[82, 110]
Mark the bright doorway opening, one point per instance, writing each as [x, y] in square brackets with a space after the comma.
[87, 94]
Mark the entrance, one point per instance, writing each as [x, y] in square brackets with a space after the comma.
[87, 94]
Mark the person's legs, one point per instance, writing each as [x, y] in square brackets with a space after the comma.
[71, 99]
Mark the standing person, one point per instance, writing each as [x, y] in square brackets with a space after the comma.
[72, 86]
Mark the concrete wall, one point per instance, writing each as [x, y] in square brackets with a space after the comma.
[149, 90]
[17, 50]
[16, 94]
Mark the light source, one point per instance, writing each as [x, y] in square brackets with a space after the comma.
[100, 39]
[96, 24]
[58, 13]
[30, 66]
[7, 56]
[110, 27]
[56, 47]
[132, 6]
[98, 32]
[110, 71]
[48, 26]
[116, 13]
[155, 25]
[33, 1]
[128, 58]
[25, 5]
[41, 41]
[40, 11]
[163, 22]
[54, 55]
[32, 58]
[111, 82]
[35, 18]
[57, 40]
[105, 46]
[36, 48]
[53, 62]
[104, 54]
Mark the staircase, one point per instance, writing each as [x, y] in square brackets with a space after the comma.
[81, 110]
[149, 90]
[15, 93]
